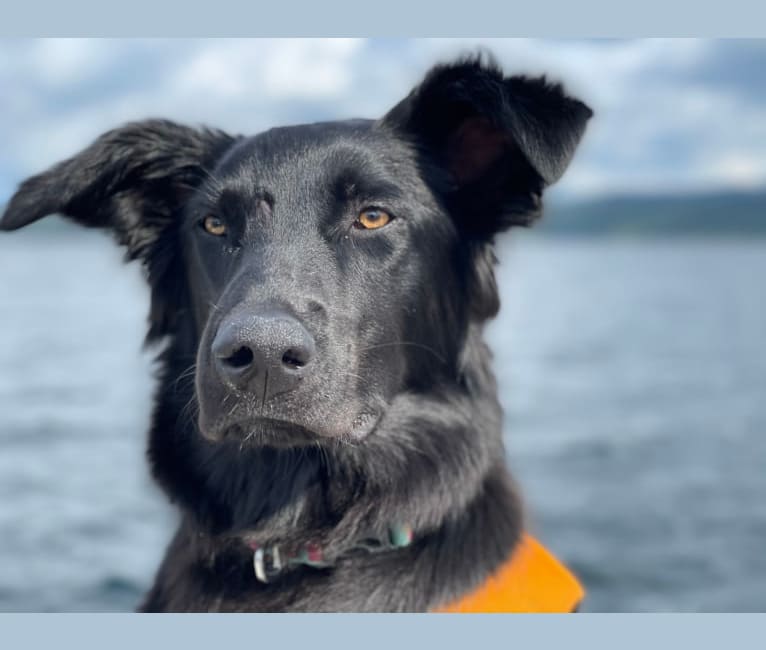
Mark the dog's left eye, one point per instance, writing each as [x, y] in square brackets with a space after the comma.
[372, 218]
[214, 226]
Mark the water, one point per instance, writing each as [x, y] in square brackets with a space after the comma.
[633, 375]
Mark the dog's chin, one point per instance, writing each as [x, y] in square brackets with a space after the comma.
[272, 432]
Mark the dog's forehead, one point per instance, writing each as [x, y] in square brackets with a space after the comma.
[322, 151]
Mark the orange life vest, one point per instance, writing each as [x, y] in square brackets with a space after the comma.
[532, 580]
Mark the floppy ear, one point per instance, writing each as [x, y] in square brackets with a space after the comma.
[132, 181]
[501, 140]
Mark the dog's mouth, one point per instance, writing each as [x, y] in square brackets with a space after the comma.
[274, 432]
[261, 432]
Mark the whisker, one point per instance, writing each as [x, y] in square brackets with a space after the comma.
[189, 372]
[233, 406]
[213, 306]
[188, 412]
[351, 374]
[411, 343]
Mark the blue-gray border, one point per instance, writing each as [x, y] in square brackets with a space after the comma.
[402, 18]
[476, 18]
[383, 632]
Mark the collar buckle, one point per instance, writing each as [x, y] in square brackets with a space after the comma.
[267, 563]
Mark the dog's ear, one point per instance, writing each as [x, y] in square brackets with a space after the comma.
[500, 140]
[131, 180]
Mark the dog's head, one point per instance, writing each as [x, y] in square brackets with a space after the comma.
[312, 273]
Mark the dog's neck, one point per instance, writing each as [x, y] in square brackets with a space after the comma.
[214, 573]
[435, 464]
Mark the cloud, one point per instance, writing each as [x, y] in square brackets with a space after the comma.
[275, 69]
[670, 114]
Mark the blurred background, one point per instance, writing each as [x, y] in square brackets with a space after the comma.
[630, 349]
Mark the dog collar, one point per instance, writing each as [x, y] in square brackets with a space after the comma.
[531, 580]
[271, 561]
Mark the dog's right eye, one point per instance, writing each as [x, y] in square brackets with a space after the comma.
[372, 219]
[213, 225]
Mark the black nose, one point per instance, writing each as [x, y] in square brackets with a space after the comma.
[264, 352]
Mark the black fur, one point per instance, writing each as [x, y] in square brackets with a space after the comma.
[397, 420]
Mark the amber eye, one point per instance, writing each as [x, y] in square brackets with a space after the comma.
[372, 218]
[214, 226]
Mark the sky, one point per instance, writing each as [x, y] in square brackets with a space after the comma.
[680, 115]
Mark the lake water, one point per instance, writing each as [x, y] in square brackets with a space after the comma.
[633, 375]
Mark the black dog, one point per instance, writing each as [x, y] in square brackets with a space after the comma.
[326, 408]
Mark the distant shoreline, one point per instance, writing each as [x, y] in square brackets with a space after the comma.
[702, 214]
